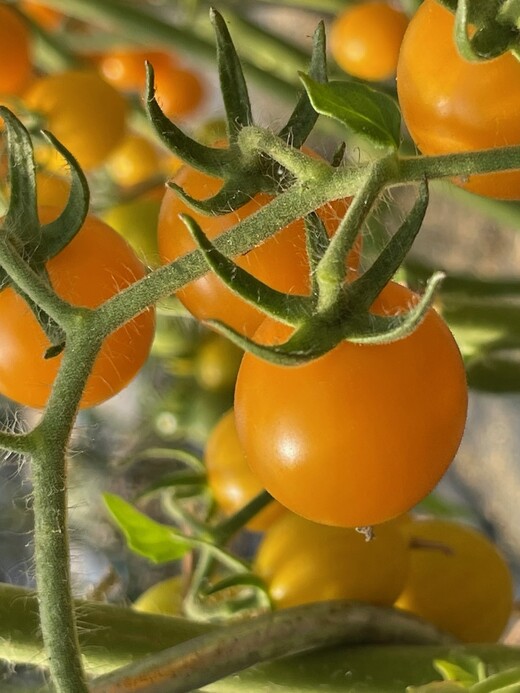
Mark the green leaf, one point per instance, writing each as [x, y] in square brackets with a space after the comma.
[157, 542]
[360, 108]
[465, 670]
[437, 687]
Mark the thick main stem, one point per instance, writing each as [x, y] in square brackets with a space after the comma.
[51, 538]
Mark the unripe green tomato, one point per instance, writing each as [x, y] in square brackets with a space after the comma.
[136, 221]
[165, 597]
[217, 362]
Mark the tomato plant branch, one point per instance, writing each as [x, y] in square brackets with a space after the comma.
[51, 540]
[34, 286]
[210, 657]
[462, 164]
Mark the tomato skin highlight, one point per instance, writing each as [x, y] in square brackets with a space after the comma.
[302, 562]
[464, 586]
[451, 105]
[281, 261]
[361, 434]
[94, 266]
[365, 40]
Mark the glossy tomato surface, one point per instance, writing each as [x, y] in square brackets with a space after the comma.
[365, 39]
[361, 434]
[281, 261]
[302, 561]
[452, 105]
[94, 266]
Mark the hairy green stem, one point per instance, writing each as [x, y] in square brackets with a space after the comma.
[51, 539]
[34, 286]
[461, 164]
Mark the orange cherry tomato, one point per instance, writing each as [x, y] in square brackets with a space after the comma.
[281, 261]
[457, 579]
[302, 561]
[365, 39]
[15, 56]
[179, 91]
[83, 111]
[451, 105]
[232, 482]
[94, 266]
[361, 434]
[125, 68]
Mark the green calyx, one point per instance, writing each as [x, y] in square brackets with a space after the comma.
[485, 30]
[243, 170]
[31, 242]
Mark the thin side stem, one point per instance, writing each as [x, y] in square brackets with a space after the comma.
[463, 164]
[231, 525]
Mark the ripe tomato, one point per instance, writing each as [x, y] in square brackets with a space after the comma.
[135, 160]
[302, 561]
[125, 67]
[452, 105]
[463, 585]
[179, 91]
[83, 111]
[15, 56]
[231, 481]
[280, 262]
[94, 266]
[361, 434]
[365, 39]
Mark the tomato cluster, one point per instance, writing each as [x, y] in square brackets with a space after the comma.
[441, 570]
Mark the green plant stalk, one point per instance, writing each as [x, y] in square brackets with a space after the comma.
[210, 657]
[296, 202]
[223, 532]
[51, 541]
[112, 636]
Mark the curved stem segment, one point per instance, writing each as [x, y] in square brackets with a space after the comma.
[210, 657]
